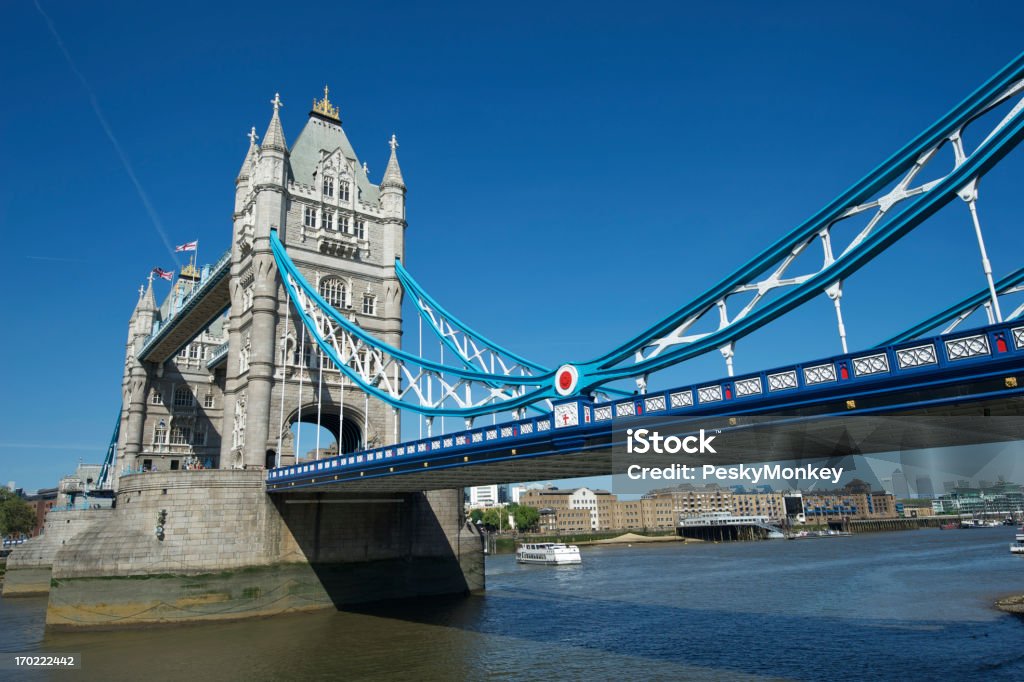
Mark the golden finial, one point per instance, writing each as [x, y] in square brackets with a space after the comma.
[325, 108]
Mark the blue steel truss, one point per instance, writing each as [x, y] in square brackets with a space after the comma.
[108, 461]
[491, 379]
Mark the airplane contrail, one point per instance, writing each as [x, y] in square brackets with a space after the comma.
[143, 197]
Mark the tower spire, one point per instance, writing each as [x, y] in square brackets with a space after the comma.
[250, 156]
[393, 174]
[274, 137]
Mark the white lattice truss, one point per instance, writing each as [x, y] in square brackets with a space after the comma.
[401, 380]
[474, 351]
[779, 277]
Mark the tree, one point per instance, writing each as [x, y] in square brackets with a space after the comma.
[526, 518]
[16, 516]
[476, 514]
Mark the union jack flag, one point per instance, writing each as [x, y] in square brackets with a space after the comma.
[163, 274]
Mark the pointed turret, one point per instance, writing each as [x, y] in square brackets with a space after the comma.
[274, 137]
[145, 311]
[393, 174]
[392, 188]
[250, 156]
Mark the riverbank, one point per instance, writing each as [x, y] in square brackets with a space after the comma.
[507, 543]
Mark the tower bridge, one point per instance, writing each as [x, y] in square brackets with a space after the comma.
[301, 322]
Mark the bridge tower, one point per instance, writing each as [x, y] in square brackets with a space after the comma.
[344, 233]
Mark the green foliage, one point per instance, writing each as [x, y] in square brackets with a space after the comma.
[527, 518]
[17, 517]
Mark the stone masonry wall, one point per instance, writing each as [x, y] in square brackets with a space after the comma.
[29, 566]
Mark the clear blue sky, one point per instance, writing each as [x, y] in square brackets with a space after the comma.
[575, 170]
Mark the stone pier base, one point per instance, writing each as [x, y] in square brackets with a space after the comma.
[29, 565]
[231, 551]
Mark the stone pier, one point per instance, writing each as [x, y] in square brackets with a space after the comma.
[29, 567]
[230, 551]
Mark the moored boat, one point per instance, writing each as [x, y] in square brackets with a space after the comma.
[551, 553]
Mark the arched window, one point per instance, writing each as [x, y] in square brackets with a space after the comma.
[183, 396]
[334, 292]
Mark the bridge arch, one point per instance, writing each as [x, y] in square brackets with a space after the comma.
[343, 432]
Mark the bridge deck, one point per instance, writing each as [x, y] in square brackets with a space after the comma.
[210, 298]
[831, 407]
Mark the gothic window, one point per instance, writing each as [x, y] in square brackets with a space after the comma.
[329, 187]
[344, 225]
[199, 436]
[208, 400]
[343, 191]
[156, 397]
[328, 220]
[307, 355]
[369, 304]
[183, 396]
[334, 292]
[360, 229]
[309, 216]
[195, 351]
[183, 353]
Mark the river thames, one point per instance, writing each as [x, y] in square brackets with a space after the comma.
[908, 605]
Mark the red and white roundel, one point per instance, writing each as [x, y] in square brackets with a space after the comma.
[566, 378]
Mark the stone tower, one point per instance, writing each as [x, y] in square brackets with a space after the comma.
[227, 396]
[343, 233]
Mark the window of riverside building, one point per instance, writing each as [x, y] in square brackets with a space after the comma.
[334, 291]
[208, 400]
[369, 304]
[329, 187]
[329, 220]
[183, 396]
[360, 229]
[309, 216]
[343, 191]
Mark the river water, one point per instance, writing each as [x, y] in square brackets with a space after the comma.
[907, 605]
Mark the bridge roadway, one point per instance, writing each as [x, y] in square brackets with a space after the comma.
[209, 298]
[960, 389]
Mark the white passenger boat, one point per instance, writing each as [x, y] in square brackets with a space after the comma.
[548, 553]
[1017, 546]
